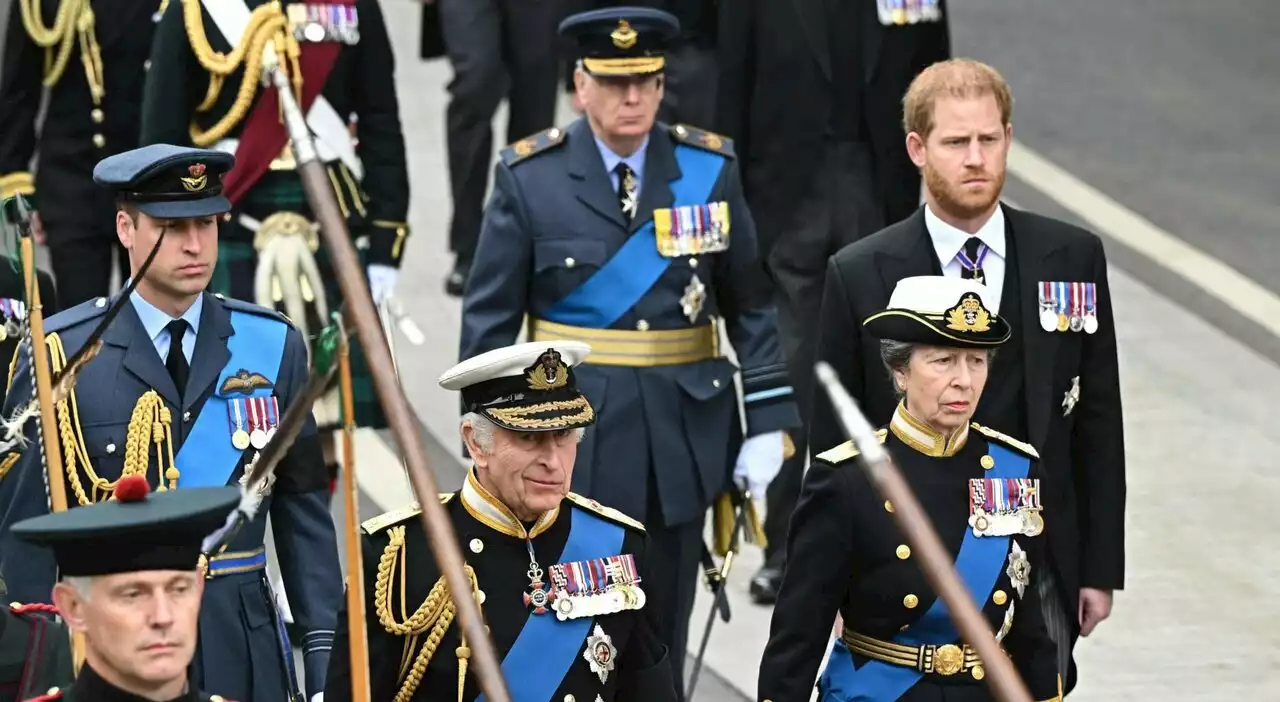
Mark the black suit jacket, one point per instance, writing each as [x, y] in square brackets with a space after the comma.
[775, 99]
[1082, 452]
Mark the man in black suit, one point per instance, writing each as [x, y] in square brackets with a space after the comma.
[811, 92]
[1055, 382]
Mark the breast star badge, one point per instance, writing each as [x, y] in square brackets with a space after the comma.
[600, 653]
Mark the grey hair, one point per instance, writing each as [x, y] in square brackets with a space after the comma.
[896, 356]
[482, 430]
[82, 584]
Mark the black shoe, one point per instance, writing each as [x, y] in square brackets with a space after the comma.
[765, 584]
[456, 284]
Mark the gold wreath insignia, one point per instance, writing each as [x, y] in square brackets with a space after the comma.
[197, 180]
[624, 37]
[548, 373]
[969, 315]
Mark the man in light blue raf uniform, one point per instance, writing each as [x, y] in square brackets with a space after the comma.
[186, 389]
[633, 236]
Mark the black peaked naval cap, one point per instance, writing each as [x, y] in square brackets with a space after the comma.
[622, 41]
[939, 311]
[138, 531]
[168, 182]
[525, 387]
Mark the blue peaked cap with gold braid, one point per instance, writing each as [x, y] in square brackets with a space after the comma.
[166, 181]
[622, 41]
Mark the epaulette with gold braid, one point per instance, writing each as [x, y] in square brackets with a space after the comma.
[607, 512]
[1007, 441]
[532, 146]
[376, 524]
[703, 139]
[843, 452]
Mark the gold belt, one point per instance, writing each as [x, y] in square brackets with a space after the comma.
[638, 349]
[947, 659]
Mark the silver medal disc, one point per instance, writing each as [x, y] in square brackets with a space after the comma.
[1048, 319]
[1077, 323]
[1091, 324]
[258, 438]
[314, 32]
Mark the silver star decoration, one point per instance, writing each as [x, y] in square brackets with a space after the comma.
[695, 295]
[631, 201]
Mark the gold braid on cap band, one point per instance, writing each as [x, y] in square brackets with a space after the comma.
[518, 416]
[150, 427]
[267, 23]
[435, 613]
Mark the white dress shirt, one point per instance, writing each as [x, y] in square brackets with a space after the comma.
[948, 242]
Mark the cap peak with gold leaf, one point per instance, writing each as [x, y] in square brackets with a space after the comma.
[525, 387]
[941, 311]
[622, 41]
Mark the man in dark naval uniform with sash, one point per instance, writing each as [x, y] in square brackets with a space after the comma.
[616, 231]
[186, 389]
[562, 580]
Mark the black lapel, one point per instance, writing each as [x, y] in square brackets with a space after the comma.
[1033, 254]
[591, 184]
[660, 168]
[211, 352]
[813, 19]
[909, 253]
[140, 358]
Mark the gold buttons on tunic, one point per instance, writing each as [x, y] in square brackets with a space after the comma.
[910, 601]
[888, 506]
[480, 596]
[999, 597]
[977, 672]
[477, 545]
[642, 325]
[693, 262]
[570, 698]
[988, 462]
[569, 262]
[715, 383]
[99, 140]
[111, 448]
[96, 115]
[904, 552]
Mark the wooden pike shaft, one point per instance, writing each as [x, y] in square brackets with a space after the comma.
[357, 634]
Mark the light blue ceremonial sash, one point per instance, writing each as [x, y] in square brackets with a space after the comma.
[979, 564]
[631, 272]
[207, 458]
[547, 647]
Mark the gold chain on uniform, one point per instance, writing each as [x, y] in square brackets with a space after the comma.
[75, 19]
[435, 613]
[149, 427]
[267, 23]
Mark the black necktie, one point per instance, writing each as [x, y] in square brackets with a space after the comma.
[970, 266]
[627, 187]
[176, 363]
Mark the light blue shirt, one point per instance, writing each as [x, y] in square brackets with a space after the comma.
[155, 322]
[635, 161]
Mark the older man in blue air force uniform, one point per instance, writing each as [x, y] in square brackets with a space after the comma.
[616, 231]
[186, 389]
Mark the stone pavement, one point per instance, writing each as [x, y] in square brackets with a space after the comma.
[1196, 621]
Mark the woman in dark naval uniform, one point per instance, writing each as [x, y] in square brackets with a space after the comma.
[981, 491]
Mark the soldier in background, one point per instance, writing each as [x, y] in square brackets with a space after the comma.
[93, 112]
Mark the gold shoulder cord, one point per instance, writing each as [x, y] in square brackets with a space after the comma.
[435, 613]
[149, 426]
[267, 23]
[75, 20]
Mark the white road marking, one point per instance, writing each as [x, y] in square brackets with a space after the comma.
[1211, 275]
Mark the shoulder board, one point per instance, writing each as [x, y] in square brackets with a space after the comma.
[847, 450]
[376, 524]
[242, 306]
[1008, 441]
[703, 139]
[83, 312]
[607, 512]
[532, 146]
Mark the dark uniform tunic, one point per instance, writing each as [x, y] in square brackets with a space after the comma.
[639, 669]
[35, 652]
[91, 687]
[240, 652]
[848, 556]
[13, 308]
[78, 217]
[361, 83]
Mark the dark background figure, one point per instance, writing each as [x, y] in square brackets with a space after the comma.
[91, 114]
[498, 49]
[811, 92]
[13, 310]
[691, 72]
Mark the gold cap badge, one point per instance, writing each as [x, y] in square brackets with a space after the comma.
[624, 37]
[197, 179]
[548, 373]
[969, 315]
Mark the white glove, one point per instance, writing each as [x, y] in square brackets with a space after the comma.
[318, 697]
[382, 281]
[759, 461]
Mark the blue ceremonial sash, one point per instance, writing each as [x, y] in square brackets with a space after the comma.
[547, 647]
[631, 272]
[207, 458]
[979, 564]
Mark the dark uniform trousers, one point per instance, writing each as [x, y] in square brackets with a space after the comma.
[667, 429]
[498, 49]
[78, 216]
[241, 653]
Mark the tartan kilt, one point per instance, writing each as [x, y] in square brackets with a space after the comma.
[233, 276]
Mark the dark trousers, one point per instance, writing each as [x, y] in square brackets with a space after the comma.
[498, 49]
[674, 566]
[689, 94]
[841, 208]
[82, 266]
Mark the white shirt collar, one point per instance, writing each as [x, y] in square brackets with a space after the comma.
[155, 321]
[949, 241]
